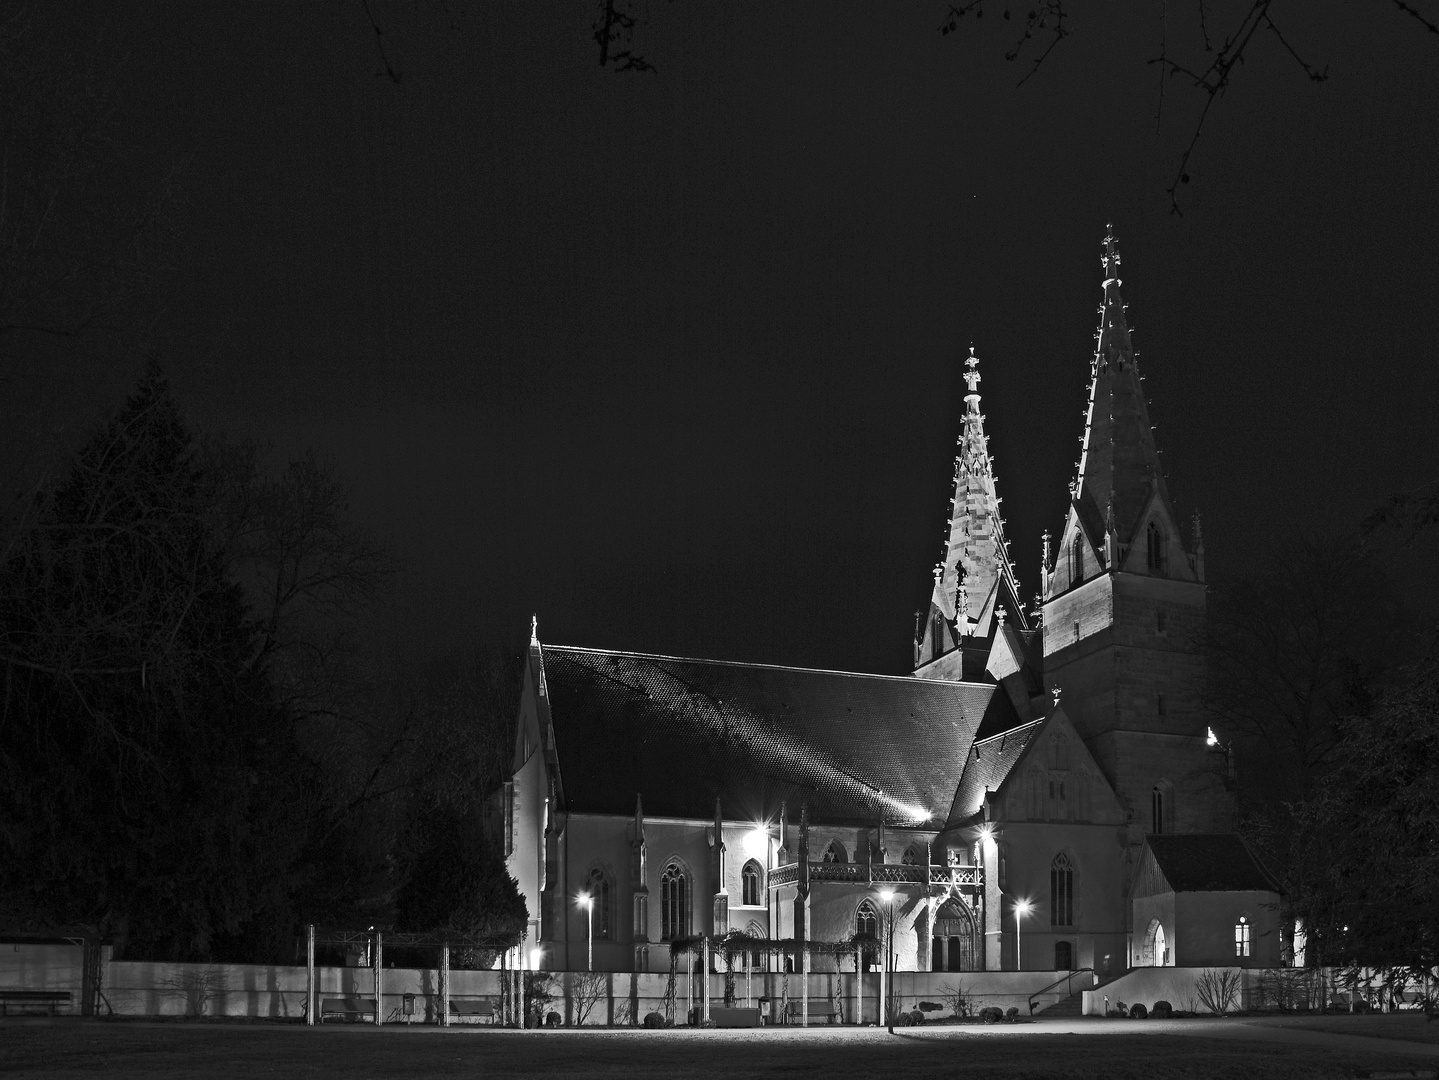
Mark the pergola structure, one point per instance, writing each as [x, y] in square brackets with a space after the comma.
[377, 940]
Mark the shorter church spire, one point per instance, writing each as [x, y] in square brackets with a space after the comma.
[974, 575]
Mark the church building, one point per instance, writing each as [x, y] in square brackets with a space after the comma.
[1040, 792]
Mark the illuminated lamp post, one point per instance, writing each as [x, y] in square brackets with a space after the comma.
[1021, 907]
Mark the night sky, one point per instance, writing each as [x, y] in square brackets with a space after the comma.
[673, 359]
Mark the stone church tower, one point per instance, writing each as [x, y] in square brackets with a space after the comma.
[1124, 605]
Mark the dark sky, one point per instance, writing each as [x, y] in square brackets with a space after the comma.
[672, 360]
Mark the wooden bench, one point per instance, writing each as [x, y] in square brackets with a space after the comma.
[348, 1007]
[477, 1007]
[817, 1010]
[50, 999]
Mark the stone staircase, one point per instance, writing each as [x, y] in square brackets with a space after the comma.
[1064, 1008]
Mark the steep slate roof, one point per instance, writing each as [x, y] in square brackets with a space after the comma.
[1120, 464]
[682, 731]
[1210, 862]
[988, 768]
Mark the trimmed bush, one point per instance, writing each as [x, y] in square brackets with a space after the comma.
[1137, 1011]
[1011, 1014]
[991, 1015]
[553, 1020]
[903, 1019]
[1162, 1010]
[654, 1020]
[916, 1017]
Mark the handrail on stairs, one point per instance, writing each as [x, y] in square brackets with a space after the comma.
[1068, 991]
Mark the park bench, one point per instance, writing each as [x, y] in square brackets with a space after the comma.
[348, 1007]
[818, 1010]
[50, 999]
[477, 1007]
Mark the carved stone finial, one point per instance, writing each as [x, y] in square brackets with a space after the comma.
[1056, 692]
[1001, 615]
[534, 629]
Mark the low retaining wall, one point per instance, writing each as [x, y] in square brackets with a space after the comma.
[135, 988]
[1254, 988]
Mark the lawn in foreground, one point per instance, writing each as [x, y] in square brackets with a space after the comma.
[241, 1051]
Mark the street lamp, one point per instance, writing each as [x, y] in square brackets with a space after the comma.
[1021, 907]
[586, 901]
[887, 895]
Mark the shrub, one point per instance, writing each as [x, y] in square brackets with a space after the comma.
[903, 1019]
[1120, 1009]
[1162, 1010]
[553, 1020]
[654, 1020]
[1137, 1011]
[1218, 989]
[916, 1017]
[1011, 1014]
[991, 1015]
[956, 999]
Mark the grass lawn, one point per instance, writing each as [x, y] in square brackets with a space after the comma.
[244, 1051]
[1410, 1026]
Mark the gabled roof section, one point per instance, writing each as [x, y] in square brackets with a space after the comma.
[854, 748]
[1119, 469]
[988, 766]
[974, 576]
[1210, 862]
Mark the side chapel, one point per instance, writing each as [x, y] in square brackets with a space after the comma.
[1041, 781]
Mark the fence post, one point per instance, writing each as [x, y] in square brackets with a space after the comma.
[444, 986]
[705, 983]
[310, 975]
[379, 978]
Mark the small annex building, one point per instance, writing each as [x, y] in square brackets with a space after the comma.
[1041, 790]
[1205, 900]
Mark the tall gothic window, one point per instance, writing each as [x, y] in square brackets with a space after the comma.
[835, 852]
[1156, 808]
[1156, 548]
[866, 919]
[598, 887]
[1241, 937]
[674, 903]
[1061, 891]
[1076, 560]
[750, 883]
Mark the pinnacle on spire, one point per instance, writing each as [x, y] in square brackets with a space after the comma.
[534, 630]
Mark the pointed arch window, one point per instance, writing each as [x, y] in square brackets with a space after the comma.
[835, 852]
[1156, 548]
[1076, 560]
[751, 878]
[674, 903]
[1161, 807]
[912, 856]
[598, 888]
[1061, 891]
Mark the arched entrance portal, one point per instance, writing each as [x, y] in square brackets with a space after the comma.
[955, 939]
[1156, 945]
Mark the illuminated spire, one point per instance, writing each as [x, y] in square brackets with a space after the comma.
[1119, 468]
[974, 575]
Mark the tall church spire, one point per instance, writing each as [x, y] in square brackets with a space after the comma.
[975, 576]
[1120, 490]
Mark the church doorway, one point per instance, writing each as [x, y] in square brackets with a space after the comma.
[1156, 945]
[1063, 956]
[954, 947]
